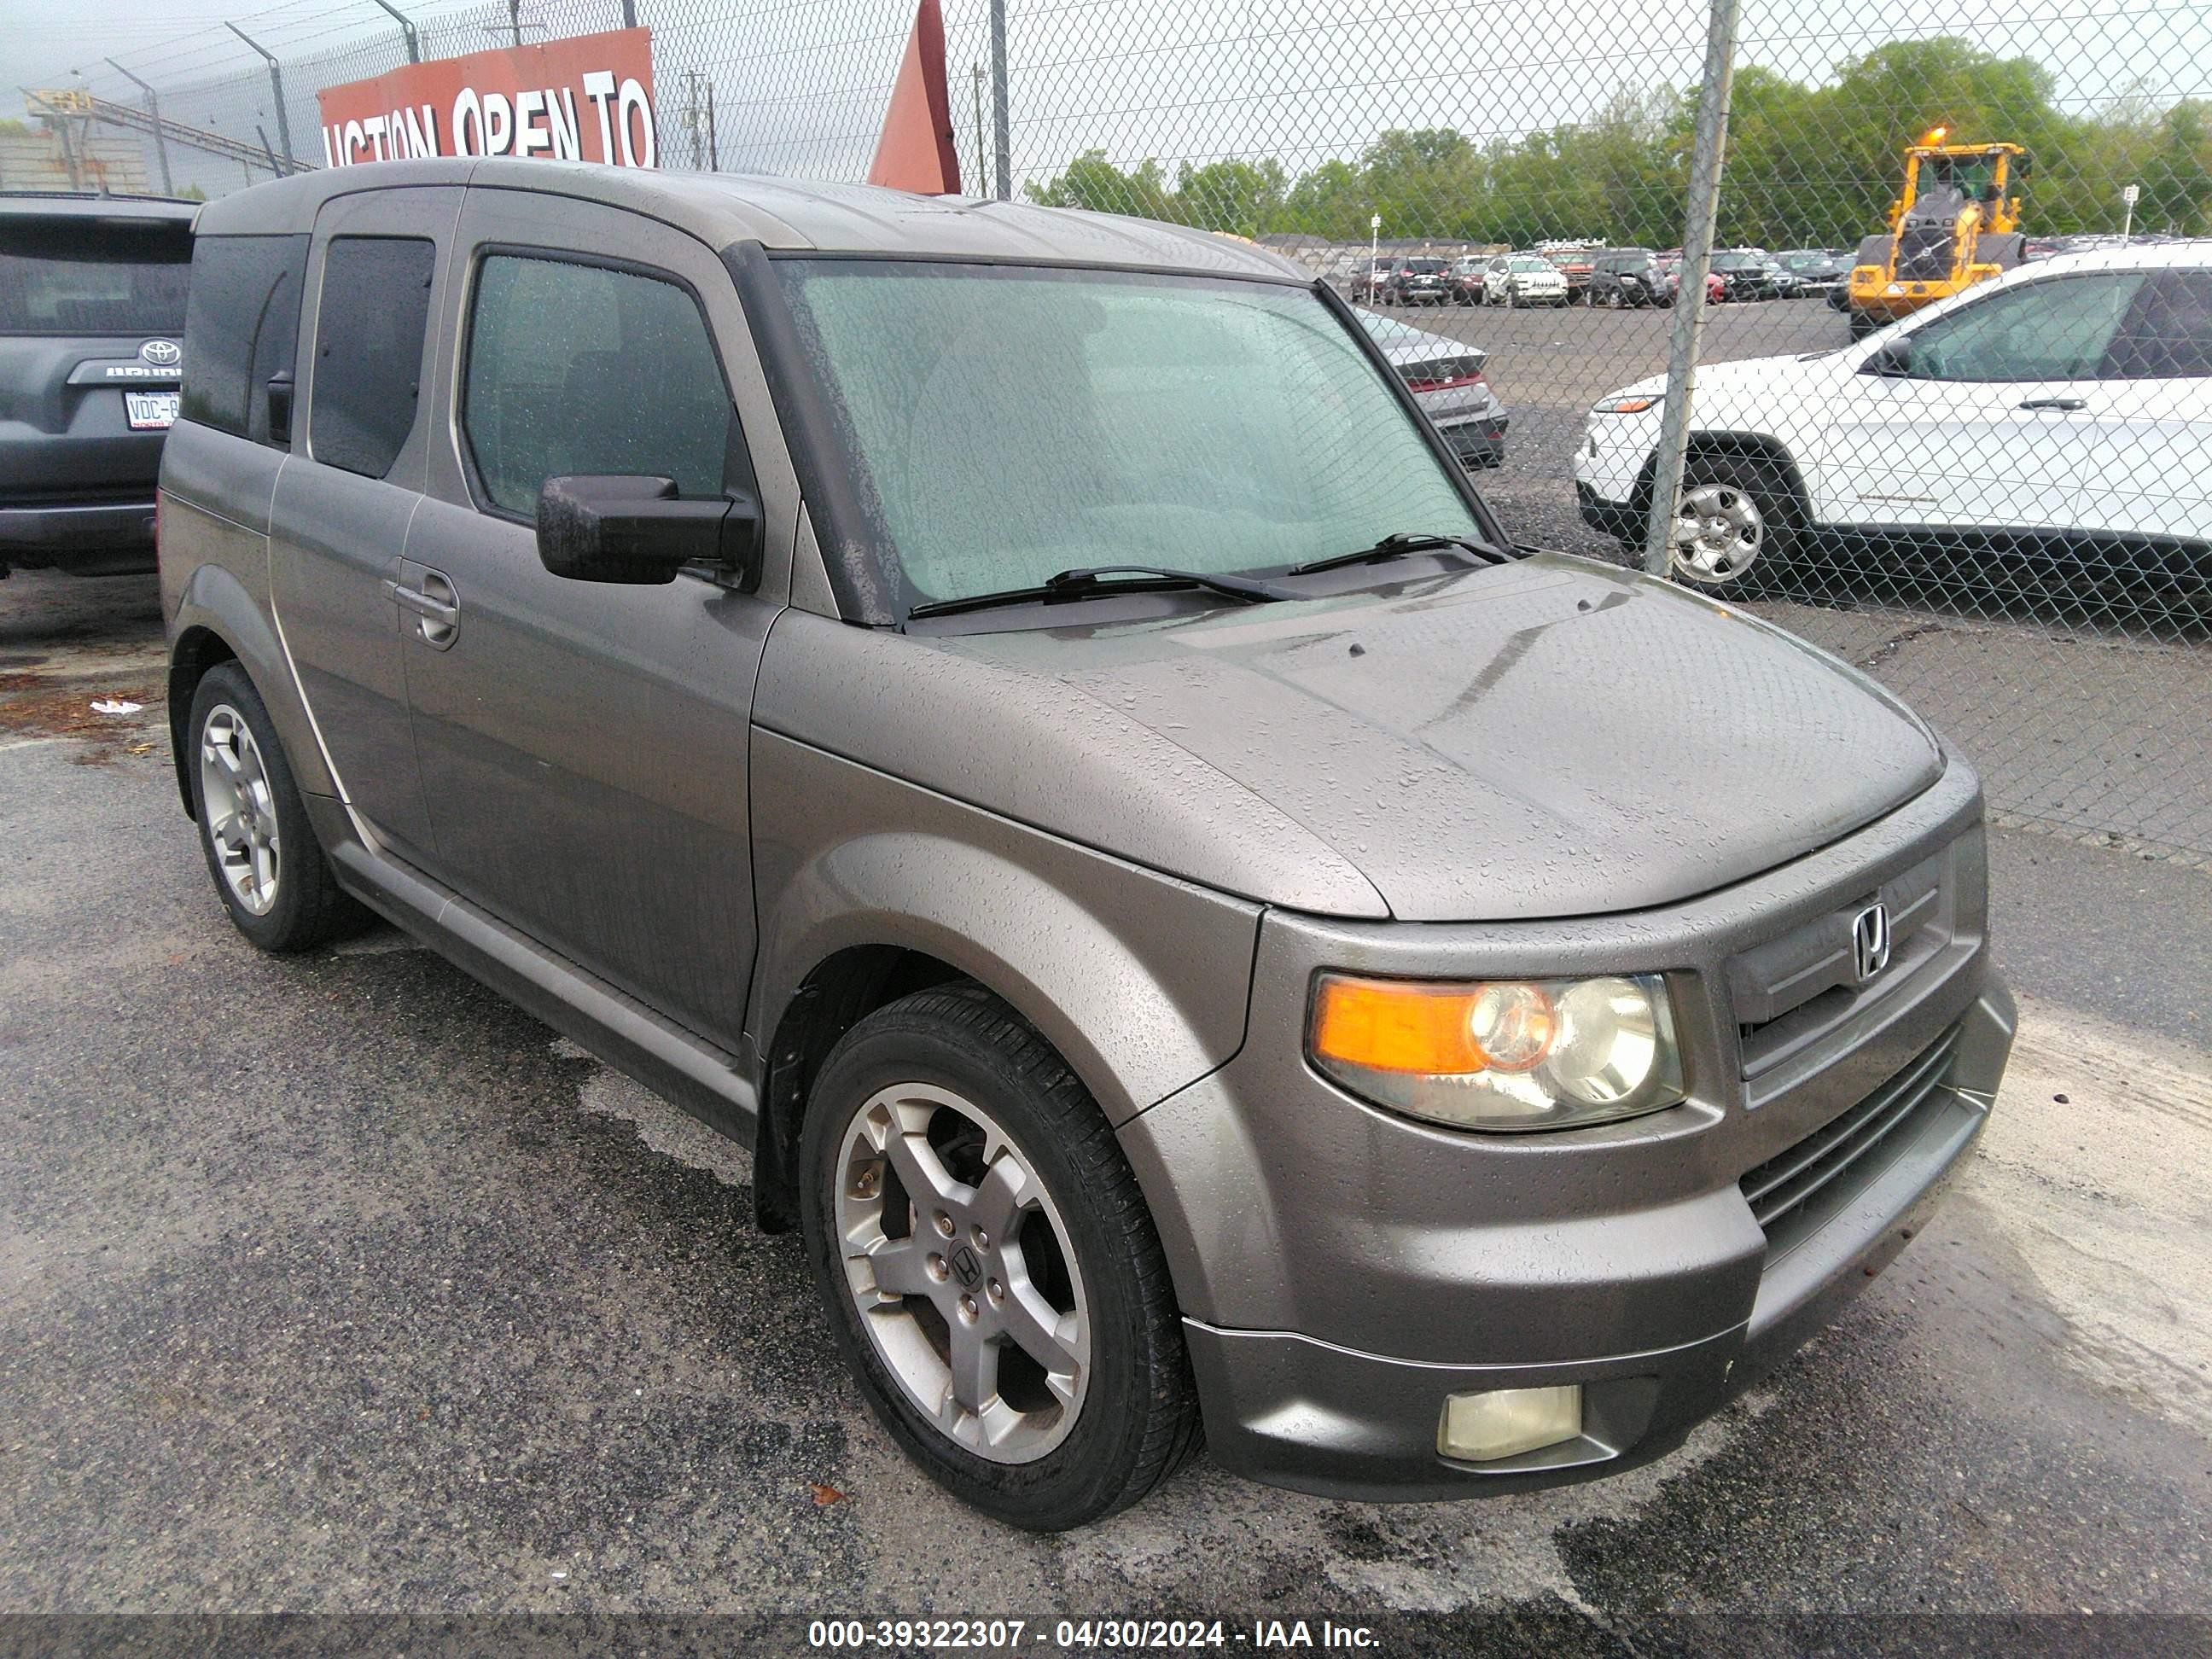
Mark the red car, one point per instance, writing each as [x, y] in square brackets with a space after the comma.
[1670, 266]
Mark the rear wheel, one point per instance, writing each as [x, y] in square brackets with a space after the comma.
[260, 849]
[990, 1268]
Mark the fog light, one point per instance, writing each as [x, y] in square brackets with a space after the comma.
[1481, 1428]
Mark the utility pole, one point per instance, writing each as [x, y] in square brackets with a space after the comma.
[1001, 124]
[276, 86]
[406, 30]
[691, 113]
[982, 155]
[714, 138]
[1708, 142]
[514, 17]
[153, 114]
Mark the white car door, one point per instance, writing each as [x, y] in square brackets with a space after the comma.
[1984, 417]
[2150, 473]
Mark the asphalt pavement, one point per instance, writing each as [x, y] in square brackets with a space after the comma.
[336, 1285]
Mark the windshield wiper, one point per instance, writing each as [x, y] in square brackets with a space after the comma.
[1397, 546]
[1091, 582]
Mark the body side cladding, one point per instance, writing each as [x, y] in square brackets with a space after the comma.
[215, 619]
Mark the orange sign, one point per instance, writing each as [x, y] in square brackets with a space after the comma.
[586, 98]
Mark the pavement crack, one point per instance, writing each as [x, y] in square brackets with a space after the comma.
[1897, 642]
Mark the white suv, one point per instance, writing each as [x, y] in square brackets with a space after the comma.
[2065, 408]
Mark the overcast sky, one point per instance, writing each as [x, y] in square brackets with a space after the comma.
[799, 85]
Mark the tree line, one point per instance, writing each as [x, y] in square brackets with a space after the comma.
[1806, 165]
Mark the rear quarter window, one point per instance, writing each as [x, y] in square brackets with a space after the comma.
[241, 328]
[69, 275]
[369, 329]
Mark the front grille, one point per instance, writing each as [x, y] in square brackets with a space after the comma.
[1792, 990]
[1795, 1192]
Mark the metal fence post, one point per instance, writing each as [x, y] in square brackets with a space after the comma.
[1708, 144]
[406, 29]
[1002, 131]
[277, 88]
[153, 114]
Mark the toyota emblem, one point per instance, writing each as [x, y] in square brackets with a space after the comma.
[162, 354]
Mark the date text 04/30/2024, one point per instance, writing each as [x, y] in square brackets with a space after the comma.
[1002, 1634]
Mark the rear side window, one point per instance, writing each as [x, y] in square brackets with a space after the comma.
[2169, 334]
[369, 332]
[84, 275]
[582, 368]
[241, 328]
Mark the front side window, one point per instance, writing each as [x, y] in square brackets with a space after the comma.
[1013, 423]
[586, 369]
[369, 330]
[2056, 330]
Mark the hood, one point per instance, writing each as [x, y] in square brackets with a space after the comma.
[1553, 738]
[1742, 394]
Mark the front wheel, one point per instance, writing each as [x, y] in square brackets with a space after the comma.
[1736, 513]
[990, 1268]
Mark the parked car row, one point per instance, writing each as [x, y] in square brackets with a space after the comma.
[1613, 278]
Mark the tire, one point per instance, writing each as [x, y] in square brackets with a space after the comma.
[261, 851]
[1727, 485]
[940, 1074]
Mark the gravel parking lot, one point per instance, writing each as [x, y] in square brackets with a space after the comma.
[335, 1284]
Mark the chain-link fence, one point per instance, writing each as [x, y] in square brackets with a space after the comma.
[1952, 402]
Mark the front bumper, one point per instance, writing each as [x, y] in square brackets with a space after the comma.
[103, 537]
[1343, 1270]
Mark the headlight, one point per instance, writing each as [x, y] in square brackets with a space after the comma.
[1634, 405]
[1507, 1054]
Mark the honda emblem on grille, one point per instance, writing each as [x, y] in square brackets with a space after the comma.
[1870, 941]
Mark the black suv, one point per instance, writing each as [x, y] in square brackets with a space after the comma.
[92, 315]
[1629, 276]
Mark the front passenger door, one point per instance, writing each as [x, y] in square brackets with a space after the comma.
[1992, 423]
[583, 745]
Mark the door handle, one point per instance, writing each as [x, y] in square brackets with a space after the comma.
[2056, 403]
[437, 609]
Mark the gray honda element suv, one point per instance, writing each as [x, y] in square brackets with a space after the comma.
[1014, 715]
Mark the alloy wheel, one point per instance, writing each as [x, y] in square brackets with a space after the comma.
[960, 1265]
[1718, 533]
[241, 809]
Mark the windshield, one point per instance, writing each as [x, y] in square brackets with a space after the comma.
[65, 277]
[1425, 267]
[1012, 422]
[1530, 264]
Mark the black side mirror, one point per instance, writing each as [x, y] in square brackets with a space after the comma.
[1893, 361]
[598, 527]
[280, 407]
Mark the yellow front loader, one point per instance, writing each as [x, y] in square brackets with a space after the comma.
[1957, 223]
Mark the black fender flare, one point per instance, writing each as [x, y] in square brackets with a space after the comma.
[217, 619]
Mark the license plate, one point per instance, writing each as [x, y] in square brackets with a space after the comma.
[150, 411]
